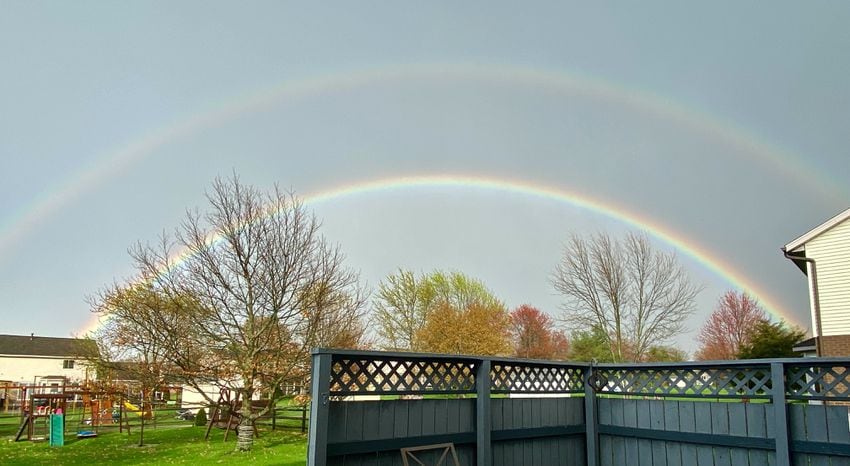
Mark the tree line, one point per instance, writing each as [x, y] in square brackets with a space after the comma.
[238, 295]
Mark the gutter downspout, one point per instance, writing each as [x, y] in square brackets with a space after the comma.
[813, 276]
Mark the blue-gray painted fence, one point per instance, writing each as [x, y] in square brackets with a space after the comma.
[524, 412]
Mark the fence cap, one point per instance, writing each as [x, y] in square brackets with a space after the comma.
[546, 362]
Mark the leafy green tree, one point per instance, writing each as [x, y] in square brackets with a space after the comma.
[399, 310]
[474, 329]
[201, 418]
[772, 340]
[404, 303]
[665, 354]
[588, 345]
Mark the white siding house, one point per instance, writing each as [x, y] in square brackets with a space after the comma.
[38, 360]
[823, 255]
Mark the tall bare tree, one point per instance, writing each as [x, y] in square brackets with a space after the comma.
[730, 326]
[637, 296]
[254, 288]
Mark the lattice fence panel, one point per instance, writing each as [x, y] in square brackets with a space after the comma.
[818, 381]
[716, 382]
[352, 376]
[533, 378]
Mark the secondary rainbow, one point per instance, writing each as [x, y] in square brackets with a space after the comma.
[113, 162]
[637, 220]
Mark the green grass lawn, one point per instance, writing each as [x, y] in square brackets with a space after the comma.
[165, 445]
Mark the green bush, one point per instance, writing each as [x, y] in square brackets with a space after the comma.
[201, 417]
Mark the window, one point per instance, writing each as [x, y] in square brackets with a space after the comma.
[68, 364]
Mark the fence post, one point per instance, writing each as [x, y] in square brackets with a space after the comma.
[591, 421]
[317, 448]
[780, 414]
[483, 449]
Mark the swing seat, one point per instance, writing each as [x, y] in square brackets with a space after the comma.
[86, 434]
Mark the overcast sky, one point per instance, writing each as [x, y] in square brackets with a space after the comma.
[724, 124]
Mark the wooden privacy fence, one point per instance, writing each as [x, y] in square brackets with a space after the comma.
[497, 411]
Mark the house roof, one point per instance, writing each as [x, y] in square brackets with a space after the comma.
[794, 245]
[806, 345]
[36, 345]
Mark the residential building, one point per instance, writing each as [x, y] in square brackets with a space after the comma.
[823, 255]
[46, 362]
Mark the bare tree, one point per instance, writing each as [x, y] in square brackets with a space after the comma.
[254, 289]
[637, 296]
[730, 326]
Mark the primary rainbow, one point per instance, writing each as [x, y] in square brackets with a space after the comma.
[634, 219]
[16, 225]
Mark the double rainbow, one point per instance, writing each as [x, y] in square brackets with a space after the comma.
[112, 163]
[637, 220]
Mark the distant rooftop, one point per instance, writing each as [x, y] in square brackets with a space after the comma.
[37, 345]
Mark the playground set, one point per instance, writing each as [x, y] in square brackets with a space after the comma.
[225, 413]
[102, 407]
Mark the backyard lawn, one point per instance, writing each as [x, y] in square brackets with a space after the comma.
[169, 445]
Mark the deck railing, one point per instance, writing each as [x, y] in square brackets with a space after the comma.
[526, 412]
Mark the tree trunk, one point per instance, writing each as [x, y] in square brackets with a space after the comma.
[142, 417]
[245, 437]
[245, 431]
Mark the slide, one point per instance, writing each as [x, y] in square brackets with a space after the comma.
[131, 407]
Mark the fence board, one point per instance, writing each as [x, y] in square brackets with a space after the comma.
[757, 427]
[527, 419]
[354, 421]
[496, 415]
[816, 430]
[797, 429]
[720, 425]
[702, 419]
[414, 419]
[644, 422]
[673, 450]
[656, 421]
[466, 411]
[452, 419]
[371, 420]
[336, 430]
[838, 430]
[738, 426]
[630, 420]
[687, 422]
[618, 444]
[606, 445]
[386, 416]
[400, 420]
[498, 454]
